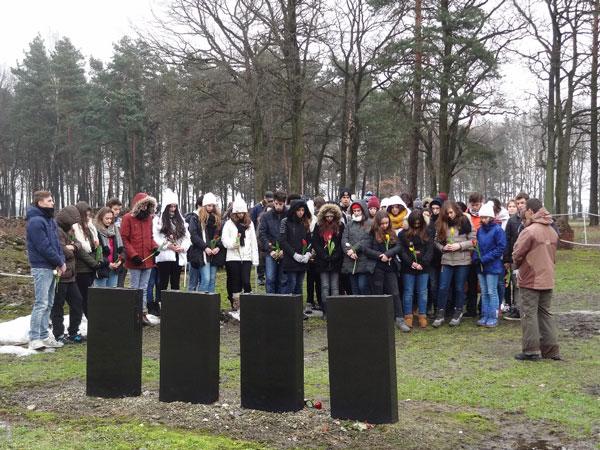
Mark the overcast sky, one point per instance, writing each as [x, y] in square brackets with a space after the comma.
[93, 27]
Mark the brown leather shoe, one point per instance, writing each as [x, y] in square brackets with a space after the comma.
[408, 319]
[423, 320]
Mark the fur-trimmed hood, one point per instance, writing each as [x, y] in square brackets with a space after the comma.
[329, 208]
[140, 200]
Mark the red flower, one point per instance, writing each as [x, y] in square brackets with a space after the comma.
[304, 242]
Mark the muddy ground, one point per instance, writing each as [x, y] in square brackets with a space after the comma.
[311, 428]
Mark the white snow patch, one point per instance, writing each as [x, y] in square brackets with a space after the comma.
[16, 331]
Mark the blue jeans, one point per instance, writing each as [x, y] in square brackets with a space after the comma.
[193, 278]
[275, 277]
[459, 274]
[488, 283]
[434, 281]
[294, 282]
[410, 281]
[111, 281]
[208, 277]
[360, 284]
[44, 287]
[139, 280]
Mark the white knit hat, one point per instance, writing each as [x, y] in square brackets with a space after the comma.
[209, 199]
[169, 198]
[487, 210]
[239, 205]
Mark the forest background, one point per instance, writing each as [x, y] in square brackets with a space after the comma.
[310, 95]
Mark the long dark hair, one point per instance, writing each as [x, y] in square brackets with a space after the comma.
[442, 224]
[378, 232]
[177, 221]
[420, 231]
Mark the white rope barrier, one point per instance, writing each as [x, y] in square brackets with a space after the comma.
[579, 243]
[15, 275]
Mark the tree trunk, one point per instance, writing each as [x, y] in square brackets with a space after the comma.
[445, 169]
[593, 206]
[413, 164]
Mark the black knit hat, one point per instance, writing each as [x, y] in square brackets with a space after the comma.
[345, 191]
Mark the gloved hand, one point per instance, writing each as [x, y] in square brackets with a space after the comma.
[136, 260]
[306, 257]
[155, 251]
[299, 258]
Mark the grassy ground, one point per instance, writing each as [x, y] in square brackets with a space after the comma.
[457, 388]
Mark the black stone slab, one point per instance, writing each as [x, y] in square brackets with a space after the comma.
[272, 352]
[114, 343]
[189, 347]
[362, 358]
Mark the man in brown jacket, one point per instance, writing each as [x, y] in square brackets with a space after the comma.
[534, 255]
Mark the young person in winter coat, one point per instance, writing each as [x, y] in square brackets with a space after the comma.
[398, 212]
[136, 231]
[355, 239]
[89, 257]
[268, 238]
[295, 240]
[436, 262]
[45, 256]
[382, 249]
[416, 245]
[170, 233]
[112, 248]
[534, 254]
[67, 288]
[374, 206]
[491, 243]
[514, 227]
[327, 244]
[454, 238]
[207, 253]
[239, 238]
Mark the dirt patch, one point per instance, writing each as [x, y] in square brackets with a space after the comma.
[308, 428]
[580, 325]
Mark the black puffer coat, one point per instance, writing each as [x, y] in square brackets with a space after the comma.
[323, 261]
[292, 234]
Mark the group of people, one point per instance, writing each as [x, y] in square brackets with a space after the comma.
[431, 255]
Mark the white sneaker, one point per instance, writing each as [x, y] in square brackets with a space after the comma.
[36, 344]
[50, 342]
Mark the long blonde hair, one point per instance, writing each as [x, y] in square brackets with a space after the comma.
[203, 216]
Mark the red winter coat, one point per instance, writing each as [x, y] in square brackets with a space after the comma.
[137, 233]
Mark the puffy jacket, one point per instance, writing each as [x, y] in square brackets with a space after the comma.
[137, 233]
[201, 238]
[492, 242]
[513, 228]
[292, 234]
[65, 219]
[43, 247]
[168, 255]
[248, 252]
[535, 253]
[356, 235]
[423, 249]
[268, 229]
[464, 237]
[323, 261]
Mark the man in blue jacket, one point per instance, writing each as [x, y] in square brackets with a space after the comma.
[47, 262]
[268, 237]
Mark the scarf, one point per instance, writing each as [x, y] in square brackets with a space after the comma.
[398, 221]
[241, 228]
[465, 226]
[85, 239]
[105, 233]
